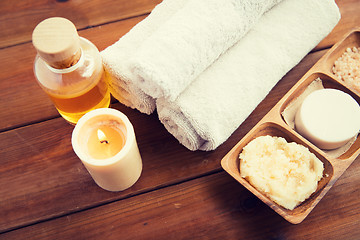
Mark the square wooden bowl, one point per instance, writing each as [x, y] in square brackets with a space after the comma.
[273, 124]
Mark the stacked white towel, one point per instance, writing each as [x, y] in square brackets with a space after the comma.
[165, 52]
[116, 57]
[222, 97]
[204, 89]
[185, 45]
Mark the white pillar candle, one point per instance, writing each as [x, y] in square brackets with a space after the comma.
[104, 140]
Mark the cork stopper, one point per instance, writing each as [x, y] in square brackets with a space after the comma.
[57, 42]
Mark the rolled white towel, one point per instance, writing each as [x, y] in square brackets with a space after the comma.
[185, 45]
[132, 96]
[116, 57]
[223, 96]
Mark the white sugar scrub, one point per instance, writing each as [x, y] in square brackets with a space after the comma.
[287, 173]
[347, 68]
[328, 118]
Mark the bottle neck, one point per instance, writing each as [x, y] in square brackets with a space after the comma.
[67, 63]
[77, 61]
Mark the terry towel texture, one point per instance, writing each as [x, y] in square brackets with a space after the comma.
[191, 40]
[163, 53]
[221, 98]
[116, 57]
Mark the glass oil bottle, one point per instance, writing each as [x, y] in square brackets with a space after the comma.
[69, 69]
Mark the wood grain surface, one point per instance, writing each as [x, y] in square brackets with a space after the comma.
[46, 193]
[19, 18]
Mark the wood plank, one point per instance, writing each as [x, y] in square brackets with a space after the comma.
[18, 18]
[211, 207]
[39, 167]
[41, 177]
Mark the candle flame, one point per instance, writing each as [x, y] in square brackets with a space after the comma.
[102, 136]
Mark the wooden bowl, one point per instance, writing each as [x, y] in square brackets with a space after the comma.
[273, 124]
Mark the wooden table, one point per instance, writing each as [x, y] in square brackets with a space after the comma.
[46, 193]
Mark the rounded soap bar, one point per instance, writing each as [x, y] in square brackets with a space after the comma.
[328, 118]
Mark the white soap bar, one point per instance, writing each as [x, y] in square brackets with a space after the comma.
[328, 118]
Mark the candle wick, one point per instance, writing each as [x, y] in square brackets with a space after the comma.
[104, 141]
